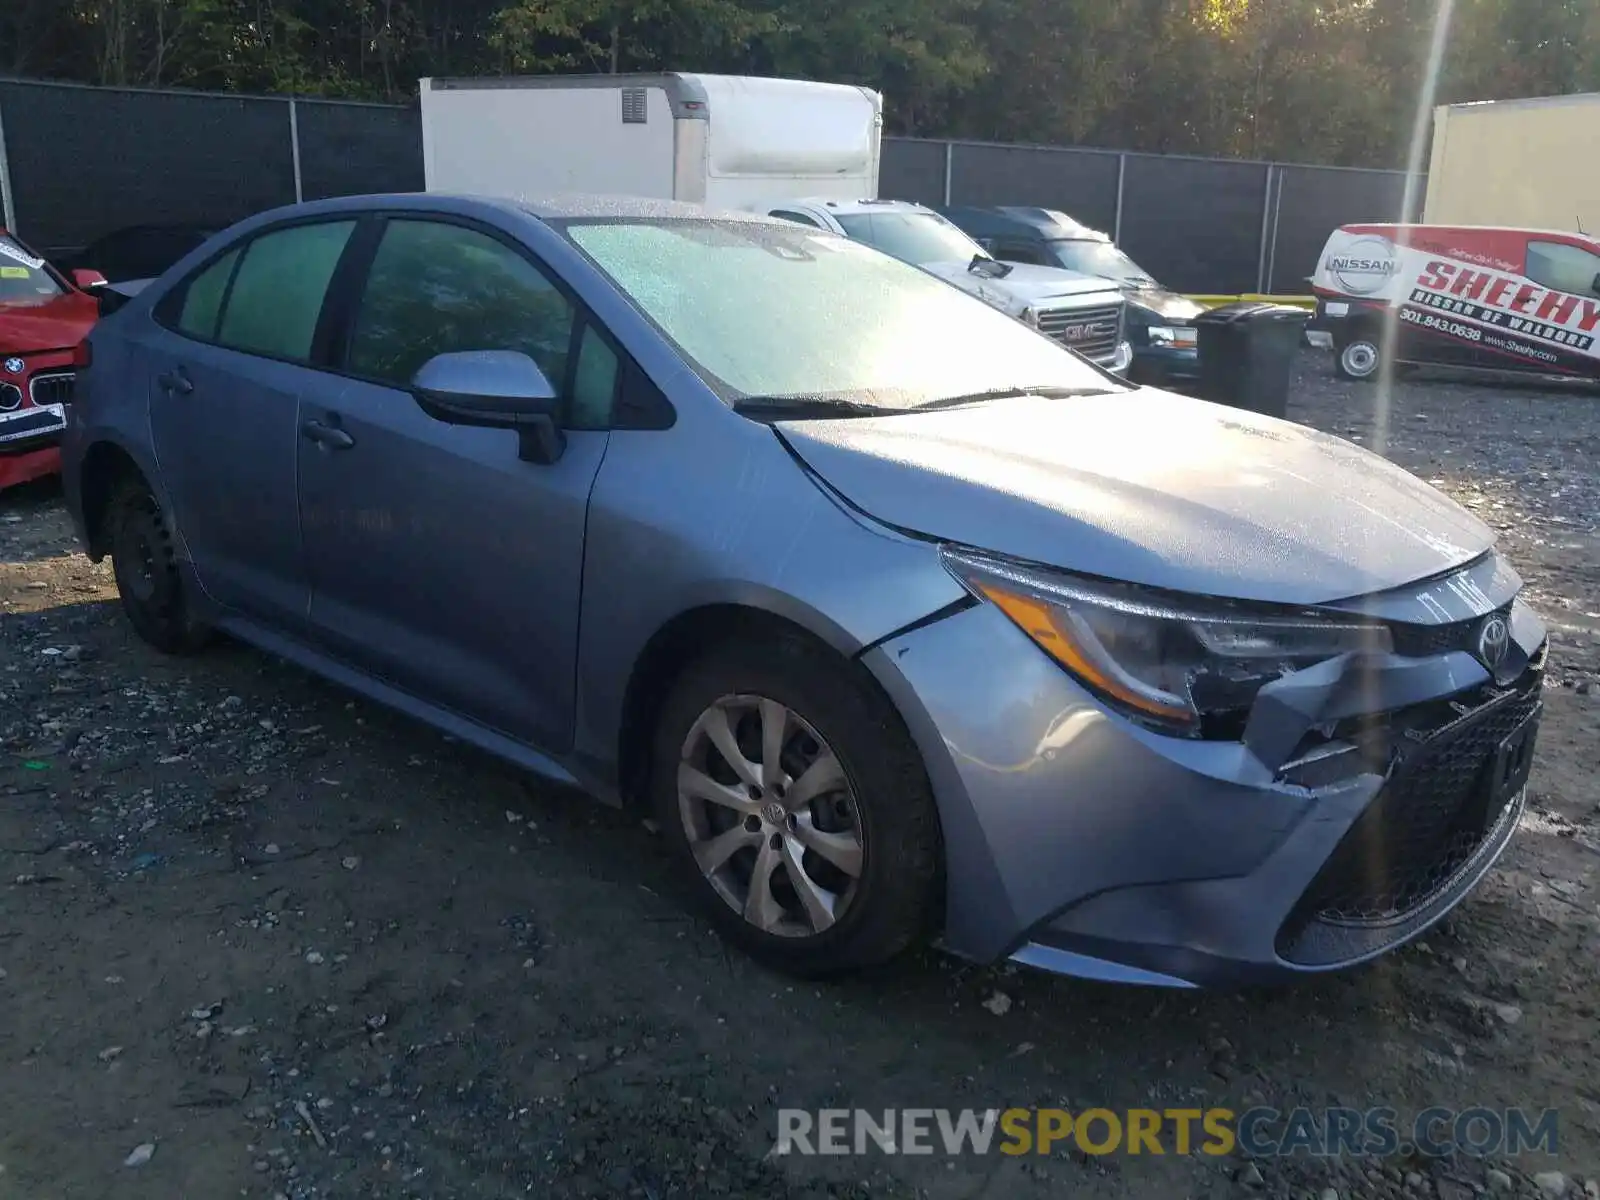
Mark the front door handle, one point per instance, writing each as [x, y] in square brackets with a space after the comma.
[175, 382]
[328, 436]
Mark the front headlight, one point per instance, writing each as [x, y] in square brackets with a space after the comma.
[1184, 337]
[1029, 316]
[1169, 662]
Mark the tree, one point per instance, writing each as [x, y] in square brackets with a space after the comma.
[1335, 81]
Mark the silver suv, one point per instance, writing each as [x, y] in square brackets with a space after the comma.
[1081, 312]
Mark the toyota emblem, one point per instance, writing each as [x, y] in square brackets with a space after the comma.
[14, 366]
[1494, 641]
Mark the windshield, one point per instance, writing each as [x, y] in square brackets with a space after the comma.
[1099, 258]
[919, 238]
[23, 276]
[781, 311]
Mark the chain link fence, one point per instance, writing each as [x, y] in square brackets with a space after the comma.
[77, 162]
[1206, 225]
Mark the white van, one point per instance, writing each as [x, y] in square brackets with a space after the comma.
[1475, 297]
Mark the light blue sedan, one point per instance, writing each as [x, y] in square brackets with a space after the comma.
[905, 622]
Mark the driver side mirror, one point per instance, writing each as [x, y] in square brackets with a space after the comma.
[496, 389]
[86, 280]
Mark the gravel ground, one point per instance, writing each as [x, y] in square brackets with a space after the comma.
[260, 939]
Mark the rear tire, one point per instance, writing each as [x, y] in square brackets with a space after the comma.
[150, 581]
[824, 860]
[1360, 359]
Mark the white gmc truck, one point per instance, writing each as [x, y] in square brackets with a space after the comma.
[796, 150]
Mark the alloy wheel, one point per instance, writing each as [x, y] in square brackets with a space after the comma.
[770, 816]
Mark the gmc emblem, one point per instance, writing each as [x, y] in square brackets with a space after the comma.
[1086, 333]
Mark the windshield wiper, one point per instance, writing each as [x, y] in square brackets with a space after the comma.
[1012, 393]
[780, 407]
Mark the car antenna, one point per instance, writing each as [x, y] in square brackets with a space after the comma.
[1581, 229]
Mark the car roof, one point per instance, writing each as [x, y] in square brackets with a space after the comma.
[1518, 230]
[545, 208]
[852, 207]
[1014, 218]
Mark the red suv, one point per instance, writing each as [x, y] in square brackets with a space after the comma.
[43, 318]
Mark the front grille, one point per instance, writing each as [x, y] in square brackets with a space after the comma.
[10, 397]
[1424, 641]
[52, 389]
[1092, 332]
[1427, 822]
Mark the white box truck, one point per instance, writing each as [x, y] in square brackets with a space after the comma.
[726, 141]
[789, 148]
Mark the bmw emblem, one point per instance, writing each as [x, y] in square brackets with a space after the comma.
[14, 366]
[1494, 641]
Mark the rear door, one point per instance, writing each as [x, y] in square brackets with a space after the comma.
[439, 560]
[228, 359]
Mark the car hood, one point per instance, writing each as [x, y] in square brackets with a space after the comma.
[1026, 283]
[1151, 488]
[1169, 306]
[59, 323]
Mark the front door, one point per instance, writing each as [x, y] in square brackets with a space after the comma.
[227, 366]
[439, 560]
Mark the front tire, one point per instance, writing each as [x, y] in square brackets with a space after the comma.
[797, 809]
[150, 583]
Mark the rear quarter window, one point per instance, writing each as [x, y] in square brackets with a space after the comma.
[201, 303]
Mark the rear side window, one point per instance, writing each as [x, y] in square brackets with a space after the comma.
[797, 218]
[1565, 268]
[437, 288]
[277, 293]
[202, 298]
[1018, 252]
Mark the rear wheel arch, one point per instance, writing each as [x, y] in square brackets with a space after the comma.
[106, 465]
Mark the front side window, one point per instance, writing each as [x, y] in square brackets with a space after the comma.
[781, 311]
[1564, 268]
[437, 288]
[594, 383]
[918, 238]
[276, 298]
[24, 277]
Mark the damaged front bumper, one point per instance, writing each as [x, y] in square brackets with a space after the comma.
[1364, 800]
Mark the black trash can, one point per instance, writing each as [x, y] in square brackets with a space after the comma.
[1247, 353]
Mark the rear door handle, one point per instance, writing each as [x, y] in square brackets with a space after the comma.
[329, 436]
[175, 382]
